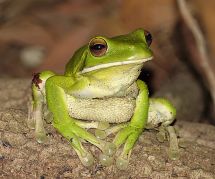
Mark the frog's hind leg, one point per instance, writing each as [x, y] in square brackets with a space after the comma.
[35, 116]
[162, 112]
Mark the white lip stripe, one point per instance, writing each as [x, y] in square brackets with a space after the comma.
[101, 66]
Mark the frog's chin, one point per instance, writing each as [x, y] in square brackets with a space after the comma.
[107, 65]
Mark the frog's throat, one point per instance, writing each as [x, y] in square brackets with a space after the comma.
[102, 66]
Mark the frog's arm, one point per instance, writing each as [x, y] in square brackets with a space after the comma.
[56, 88]
[130, 134]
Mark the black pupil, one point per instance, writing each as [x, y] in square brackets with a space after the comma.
[97, 47]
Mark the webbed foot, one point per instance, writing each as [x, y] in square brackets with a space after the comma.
[106, 158]
[35, 120]
[129, 136]
[75, 134]
[162, 134]
[173, 143]
[40, 131]
[169, 133]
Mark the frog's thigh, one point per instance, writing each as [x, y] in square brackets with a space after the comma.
[35, 118]
[163, 113]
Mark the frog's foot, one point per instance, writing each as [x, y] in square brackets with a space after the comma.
[85, 156]
[129, 136]
[35, 120]
[173, 143]
[75, 134]
[169, 133]
[40, 131]
[162, 134]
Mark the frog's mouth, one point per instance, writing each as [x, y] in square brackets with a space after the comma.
[107, 65]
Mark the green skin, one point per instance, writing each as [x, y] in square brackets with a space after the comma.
[90, 76]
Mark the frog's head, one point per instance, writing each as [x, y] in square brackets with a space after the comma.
[103, 52]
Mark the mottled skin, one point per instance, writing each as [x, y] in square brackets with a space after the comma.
[104, 68]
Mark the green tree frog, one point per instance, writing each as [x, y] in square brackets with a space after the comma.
[100, 89]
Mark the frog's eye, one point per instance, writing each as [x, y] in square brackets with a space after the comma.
[148, 37]
[98, 47]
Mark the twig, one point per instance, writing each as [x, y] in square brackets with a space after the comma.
[201, 46]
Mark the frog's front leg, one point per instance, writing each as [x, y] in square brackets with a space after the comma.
[56, 89]
[133, 130]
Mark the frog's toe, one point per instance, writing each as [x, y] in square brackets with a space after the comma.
[105, 159]
[173, 154]
[173, 144]
[168, 132]
[100, 134]
[122, 163]
[161, 135]
[109, 149]
[41, 137]
[40, 132]
[87, 160]
[103, 125]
